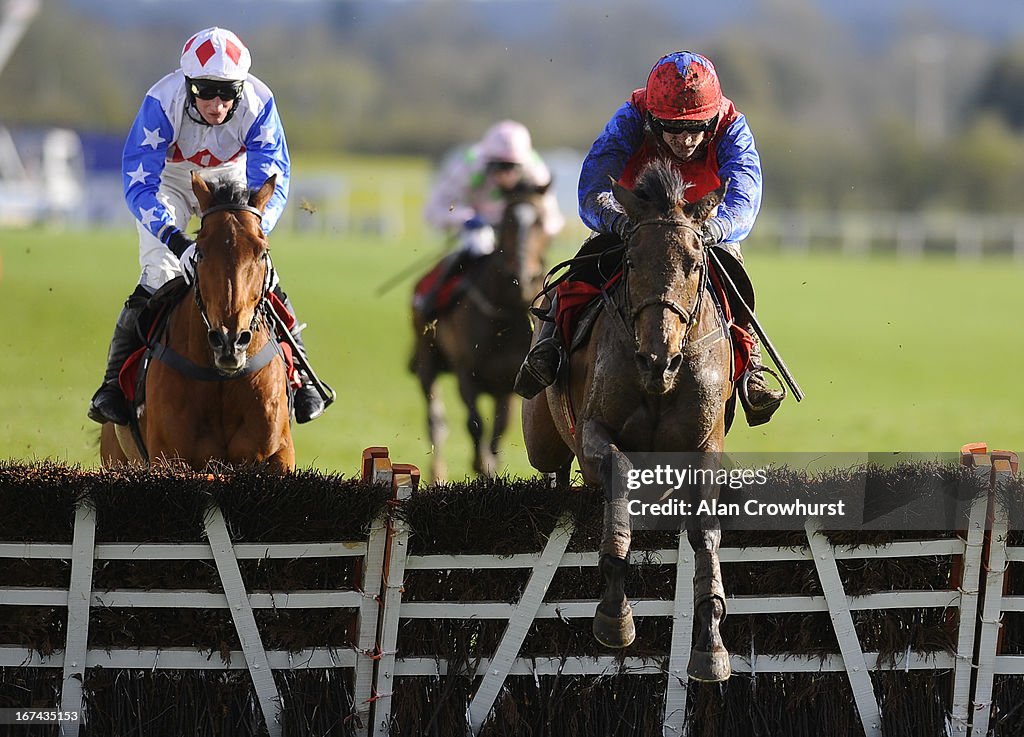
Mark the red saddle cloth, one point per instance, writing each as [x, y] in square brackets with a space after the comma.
[448, 292]
[575, 296]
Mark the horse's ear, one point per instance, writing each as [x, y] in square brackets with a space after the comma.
[202, 191]
[631, 204]
[702, 209]
[261, 197]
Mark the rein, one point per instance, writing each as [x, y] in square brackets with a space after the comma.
[230, 207]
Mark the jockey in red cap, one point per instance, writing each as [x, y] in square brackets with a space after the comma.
[680, 115]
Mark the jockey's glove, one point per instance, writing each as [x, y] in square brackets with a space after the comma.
[188, 263]
[477, 238]
[711, 232]
[178, 242]
[621, 226]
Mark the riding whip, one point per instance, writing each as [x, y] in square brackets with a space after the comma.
[298, 355]
[416, 266]
[779, 363]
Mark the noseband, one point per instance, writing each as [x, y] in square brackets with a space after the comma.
[265, 257]
[686, 316]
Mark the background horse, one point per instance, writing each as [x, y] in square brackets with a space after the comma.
[484, 337]
[216, 402]
[654, 376]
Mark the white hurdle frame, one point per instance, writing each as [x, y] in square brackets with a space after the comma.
[376, 662]
[79, 598]
[990, 662]
[851, 659]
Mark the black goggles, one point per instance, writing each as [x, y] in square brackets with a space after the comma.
[206, 89]
[676, 127]
[502, 166]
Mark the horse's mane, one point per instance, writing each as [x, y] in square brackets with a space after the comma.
[228, 192]
[660, 184]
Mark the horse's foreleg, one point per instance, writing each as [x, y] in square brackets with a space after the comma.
[709, 658]
[111, 452]
[502, 405]
[283, 461]
[474, 423]
[437, 426]
[613, 621]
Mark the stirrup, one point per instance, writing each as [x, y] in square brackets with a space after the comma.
[759, 415]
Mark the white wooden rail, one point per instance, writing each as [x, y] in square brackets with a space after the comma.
[852, 660]
[80, 597]
[376, 661]
[1000, 554]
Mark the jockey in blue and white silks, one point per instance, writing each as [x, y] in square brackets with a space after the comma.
[169, 140]
[209, 116]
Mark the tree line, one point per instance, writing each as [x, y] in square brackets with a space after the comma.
[837, 124]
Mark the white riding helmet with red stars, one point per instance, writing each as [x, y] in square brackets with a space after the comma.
[216, 53]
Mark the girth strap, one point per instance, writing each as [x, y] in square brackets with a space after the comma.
[185, 367]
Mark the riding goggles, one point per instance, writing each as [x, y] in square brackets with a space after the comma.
[503, 166]
[208, 89]
[677, 127]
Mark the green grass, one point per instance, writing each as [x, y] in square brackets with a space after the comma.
[893, 355]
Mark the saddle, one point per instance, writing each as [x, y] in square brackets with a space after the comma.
[579, 304]
[441, 288]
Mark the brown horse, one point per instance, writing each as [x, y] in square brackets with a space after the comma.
[653, 376]
[484, 337]
[207, 396]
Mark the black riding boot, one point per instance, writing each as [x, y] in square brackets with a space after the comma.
[540, 367]
[109, 403]
[308, 403]
[759, 401]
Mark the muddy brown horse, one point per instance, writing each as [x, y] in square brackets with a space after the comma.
[654, 375]
[220, 393]
[483, 338]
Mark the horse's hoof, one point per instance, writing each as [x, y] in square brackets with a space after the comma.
[713, 667]
[612, 631]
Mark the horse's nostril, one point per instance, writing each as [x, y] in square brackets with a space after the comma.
[216, 338]
[244, 339]
[645, 361]
[674, 363]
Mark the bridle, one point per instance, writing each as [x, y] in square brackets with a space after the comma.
[265, 257]
[687, 316]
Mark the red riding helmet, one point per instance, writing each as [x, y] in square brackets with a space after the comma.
[683, 86]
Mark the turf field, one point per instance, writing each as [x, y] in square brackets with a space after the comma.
[893, 355]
